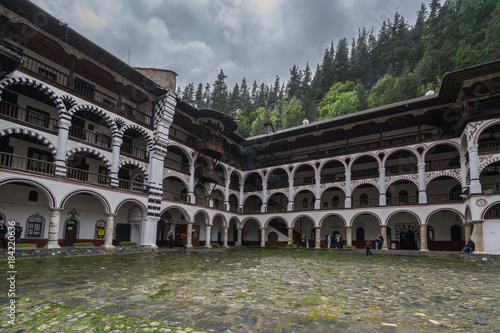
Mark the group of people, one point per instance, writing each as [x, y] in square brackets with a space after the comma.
[304, 241]
[4, 230]
[171, 240]
[334, 241]
[379, 243]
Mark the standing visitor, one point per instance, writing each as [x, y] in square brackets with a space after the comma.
[379, 242]
[17, 232]
[171, 239]
[3, 231]
[303, 240]
[368, 248]
[307, 241]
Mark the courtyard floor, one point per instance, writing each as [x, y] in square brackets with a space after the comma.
[253, 290]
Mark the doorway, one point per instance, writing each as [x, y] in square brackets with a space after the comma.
[70, 232]
[272, 239]
[407, 238]
[182, 229]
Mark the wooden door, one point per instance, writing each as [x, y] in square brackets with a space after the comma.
[195, 238]
[272, 239]
[70, 232]
[179, 229]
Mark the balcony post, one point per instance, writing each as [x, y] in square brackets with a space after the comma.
[62, 144]
[116, 143]
[192, 198]
[348, 198]
[422, 193]
[189, 241]
[423, 238]
[290, 236]
[290, 196]
[226, 196]
[108, 234]
[208, 237]
[382, 201]
[263, 208]
[463, 173]
[348, 235]
[55, 221]
[262, 237]
[317, 202]
[317, 240]
[475, 185]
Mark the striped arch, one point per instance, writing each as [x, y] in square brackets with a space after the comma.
[340, 186]
[266, 224]
[355, 158]
[357, 183]
[46, 142]
[403, 211]
[99, 112]
[182, 210]
[251, 172]
[444, 210]
[224, 220]
[332, 214]
[105, 203]
[411, 150]
[238, 174]
[366, 212]
[325, 162]
[441, 174]
[271, 170]
[495, 159]
[90, 151]
[242, 224]
[69, 100]
[205, 214]
[301, 216]
[481, 128]
[135, 163]
[483, 213]
[137, 202]
[224, 169]
[297, 167]
[178, 175]
[186, 151]
[443, 143]
[141, 130]
[411, 178]
[50, 195]
[58, 103]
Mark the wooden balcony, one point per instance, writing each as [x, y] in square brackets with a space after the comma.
[27, 117]
[11, 161]
[133, 186]
[88, 177]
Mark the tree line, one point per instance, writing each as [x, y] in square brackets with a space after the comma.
[400, 62]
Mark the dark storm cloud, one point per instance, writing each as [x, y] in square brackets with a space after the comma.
[256, 39]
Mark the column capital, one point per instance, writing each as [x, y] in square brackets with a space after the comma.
[227, 182]
[226, 227]
[56, 209]
[476, 221]
[381, 170]
[472, 148]
[348, 174]
[116, 140]
[290, 181]
[421, 165]
[190, 222]
[110, 215]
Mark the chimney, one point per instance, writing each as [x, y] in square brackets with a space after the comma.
[269, 127]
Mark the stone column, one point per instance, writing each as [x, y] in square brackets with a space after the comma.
[348, 198]
[423, 238]
[108, 233]
[382, 201]
[189, 241]
[290, 236]
[422, 193]
[62, 144]
[240, 205]
[192, 198]
[226, 196]
[383, 232]
[348, 236]
[262, 237]
[317, 244]
[208, 237]
[463, 173]
[115, 159]
[226, 233]
[478, 236]
[263, 208]
[239, 237]
[317, 203]
[148, 234]
[54, 226]
[468, 231]
[475, 185]
[290, 196]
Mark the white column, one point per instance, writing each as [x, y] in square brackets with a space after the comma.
[189, 241]
[463, 173]
[115, 159]
[54, 225]
[478, 236]
[226, 196]
[382, 201]
[290, 236]
[317, 203]
[191, 185]
[475, 185]
[108, 233]
[318, 238]
[62, 144]
[348, 198]
[239, 237]
[148, 235]
[423, 238]
[290, 196]
[383, 232]
[422, 193]
[263, 208]
[348, 235]
[208, 237]
[226, 232]
[262, 237]
[240, 204]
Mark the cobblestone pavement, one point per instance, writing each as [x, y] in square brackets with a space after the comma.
[253, 290]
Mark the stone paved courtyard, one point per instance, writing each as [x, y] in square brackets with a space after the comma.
[254, 290]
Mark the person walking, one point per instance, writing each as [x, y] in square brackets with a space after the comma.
[3, 232]
[17, 232]
[303, 240]
[307, 241]
[368, 248]
[183, 242]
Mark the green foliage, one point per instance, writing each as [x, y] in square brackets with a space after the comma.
[291, 246]
[341, 99]
[26, 245]
[126, 243]
[83, 244]
[214, 245]
[260, 115]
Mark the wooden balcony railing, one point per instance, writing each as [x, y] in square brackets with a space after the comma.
[132, 151]
[402, 169]
[49, 72]
[97, 139]
[277, 184]
[133, 186]
[332, 205]
[25, 116]
[476, 107]
[175, 165]
[443, 198]
[276, 208]
[489, 147]
[175, 196]
[442, 164]
[17, 162]
[87, 176]
[367, 173]
[365, 203]
[400, 201]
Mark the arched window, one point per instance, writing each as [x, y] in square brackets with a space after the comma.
[388, 197]
[363, 200]
[360, 234]
[33, 196]
[456, 233]
[403, 197]
[35, 225]
[430, 233]
[305, 203]
[100, 226]
[335, 201]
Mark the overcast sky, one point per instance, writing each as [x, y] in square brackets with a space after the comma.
[256, 39]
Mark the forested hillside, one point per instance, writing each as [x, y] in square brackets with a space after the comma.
[396, 63]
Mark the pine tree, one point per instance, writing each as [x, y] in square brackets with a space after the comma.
[234, 100]
[207, 96]
[198, 97]
[219, 94]
[272, 101]
[246, 104]
[341, 62]
[293, 86]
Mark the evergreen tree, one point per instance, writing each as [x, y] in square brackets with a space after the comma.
[234, 100]
[272, 100]
[255, 93]
[219, 94]
[198, 97]
[188, 93]
[293, 86]
[492, 38]
[246, 104]
[341, 62]
[207, 96]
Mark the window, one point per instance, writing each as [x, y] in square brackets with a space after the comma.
[430, 233]
[33, 196]
[35, 226]
[305, 204]
[456, 233]
[335, 201]
[403, 197]
[360, 234]
[363, 199]
[100, 226]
